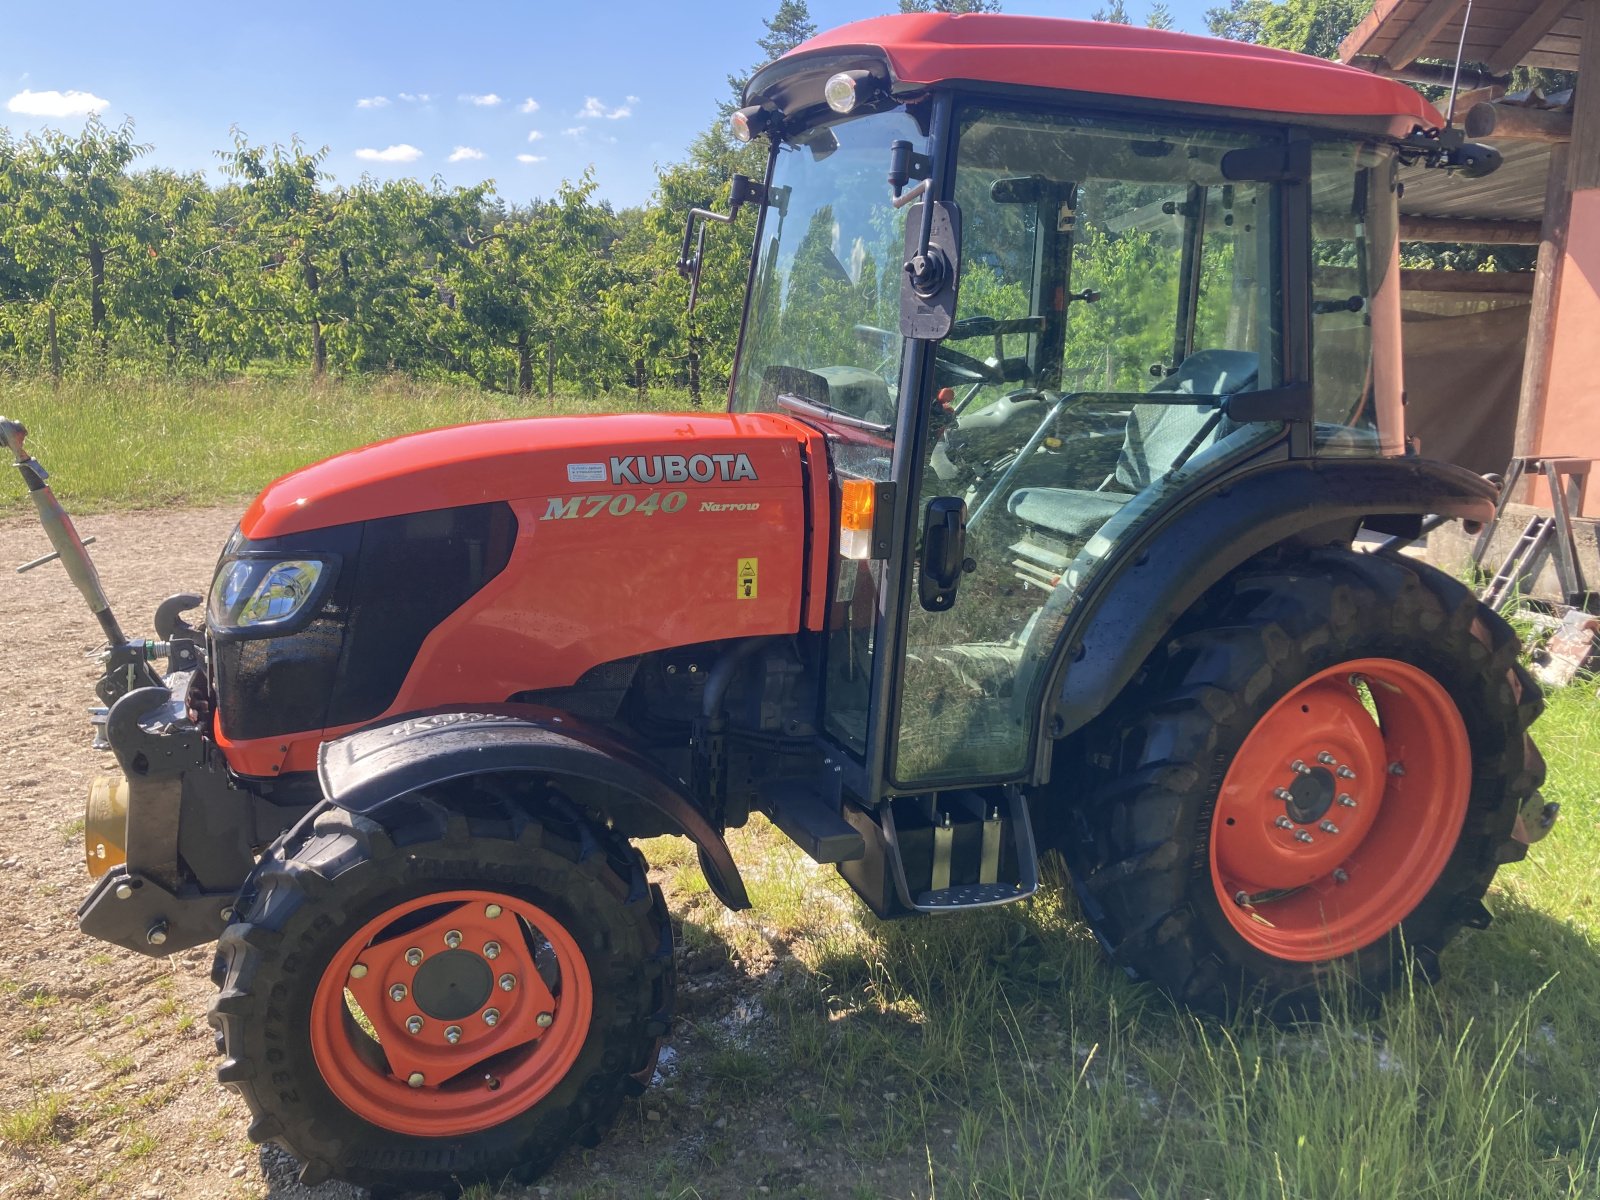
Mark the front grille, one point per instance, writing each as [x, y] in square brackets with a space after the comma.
[399, 577]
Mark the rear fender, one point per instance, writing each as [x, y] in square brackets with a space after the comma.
[367, 769]
[1156, 577]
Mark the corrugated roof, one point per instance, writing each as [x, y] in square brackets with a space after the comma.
[1515, 192]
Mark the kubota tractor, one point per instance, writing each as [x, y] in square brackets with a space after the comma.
[1069, 375]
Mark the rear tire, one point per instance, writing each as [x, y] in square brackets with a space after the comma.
[572, 922]
[1210, 863]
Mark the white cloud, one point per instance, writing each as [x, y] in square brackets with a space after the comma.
[373, 102]
[530, 158]
[576, 131]
[487, 100]
[535, 136]
[465, 154]
[415, 97]
[594, 110]
[403, 153]
[530, 105]
[56, 104]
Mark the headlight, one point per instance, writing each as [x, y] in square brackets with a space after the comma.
[259, 597]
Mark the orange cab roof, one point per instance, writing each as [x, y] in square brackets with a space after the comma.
[1115, 60]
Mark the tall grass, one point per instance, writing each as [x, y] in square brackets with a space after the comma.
[137, 443]
[997, 1055]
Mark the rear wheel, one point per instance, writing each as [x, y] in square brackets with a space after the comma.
[454, 993]
[1320, 771]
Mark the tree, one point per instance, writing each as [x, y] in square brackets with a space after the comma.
[786, 29]
[291, 223]
[1313, 27]
[1159, 17]
[949, 6]
[1115, 13]
[65, 220]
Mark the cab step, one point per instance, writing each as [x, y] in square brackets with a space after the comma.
[939, 853]
[812, 821]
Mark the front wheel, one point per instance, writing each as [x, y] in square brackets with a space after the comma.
[457, 992]
[1318, 773]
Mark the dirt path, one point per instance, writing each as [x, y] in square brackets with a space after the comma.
[109, 1053]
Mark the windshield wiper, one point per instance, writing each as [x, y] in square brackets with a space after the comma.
[827, 412]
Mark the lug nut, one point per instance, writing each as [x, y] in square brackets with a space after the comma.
[413, 1024]
[157, 934]
[453, 938]
[415, 1079]
[397, 993]
[1326, 759]
[1328, 827]
[359, 971]
[1397, 768]
[1283, 822]
[491, 1016]
[507, 982]
[1340, 875]
[453, 1034]
[1283, 794]
[1345, 773]
[1346, 800]
[492, 911]
[1242, 899]
[1299, 767]
[491, 949]
[1300, 835]
[414, 956]
[544, 1020]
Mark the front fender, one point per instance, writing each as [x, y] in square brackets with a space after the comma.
[1156, 576]
[366, 769]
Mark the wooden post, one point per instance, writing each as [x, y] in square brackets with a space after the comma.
[1584, 169]
[1541, 320]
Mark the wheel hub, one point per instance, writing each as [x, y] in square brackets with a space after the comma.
[477, 1003]
[1310, 796]
[452, 985]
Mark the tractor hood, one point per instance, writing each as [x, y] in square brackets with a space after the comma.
[555, 457]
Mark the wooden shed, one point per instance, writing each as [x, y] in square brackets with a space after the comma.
[1516, 371]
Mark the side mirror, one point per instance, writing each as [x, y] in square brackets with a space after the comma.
[933, 255]
[742, 190]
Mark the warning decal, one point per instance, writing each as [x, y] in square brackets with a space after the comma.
[747, 579]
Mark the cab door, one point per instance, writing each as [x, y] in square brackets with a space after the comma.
[1114, 288]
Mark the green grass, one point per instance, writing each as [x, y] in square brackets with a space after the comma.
[998, 1055]
[36, 1123]
[132, 443]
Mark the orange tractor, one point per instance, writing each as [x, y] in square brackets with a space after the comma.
[1069, 375]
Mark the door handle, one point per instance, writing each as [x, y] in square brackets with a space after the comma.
[944, 552]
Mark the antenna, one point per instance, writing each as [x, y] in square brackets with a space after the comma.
[1455, 76]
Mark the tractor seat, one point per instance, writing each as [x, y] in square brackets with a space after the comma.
[1154, 437]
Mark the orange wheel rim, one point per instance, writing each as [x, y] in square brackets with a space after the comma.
[451, 1013]
[1340, 810]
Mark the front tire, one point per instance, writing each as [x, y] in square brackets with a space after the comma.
[451, 993]
[1308, 788]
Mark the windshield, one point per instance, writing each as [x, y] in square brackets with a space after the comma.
[824, 314]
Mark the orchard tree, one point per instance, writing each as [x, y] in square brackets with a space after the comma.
[290, 224]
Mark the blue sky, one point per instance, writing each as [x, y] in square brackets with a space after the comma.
[423, 89]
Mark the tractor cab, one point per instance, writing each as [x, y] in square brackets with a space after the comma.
[1041, 285]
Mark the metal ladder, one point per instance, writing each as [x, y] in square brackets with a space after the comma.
[1565, 477]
